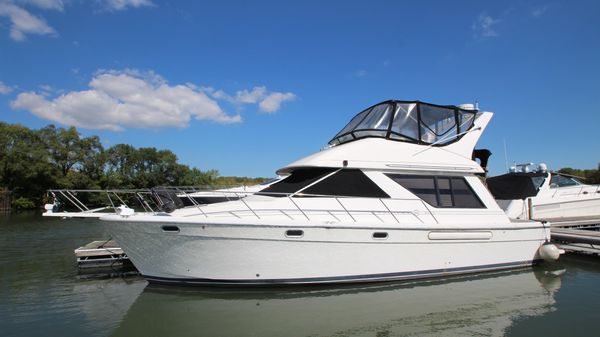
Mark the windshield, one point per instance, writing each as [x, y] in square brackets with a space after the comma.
[416, 122]
[561, 181]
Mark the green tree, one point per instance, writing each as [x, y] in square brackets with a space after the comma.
[24, 166]
[33, 161]
[119, 166]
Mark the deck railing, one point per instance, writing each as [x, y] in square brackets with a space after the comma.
[75, 203]
[577, 190]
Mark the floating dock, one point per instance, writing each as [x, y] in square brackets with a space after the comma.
[577, 235]
[101, 254]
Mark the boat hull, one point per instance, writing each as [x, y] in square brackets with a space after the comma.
[549, 208]
[249, 255]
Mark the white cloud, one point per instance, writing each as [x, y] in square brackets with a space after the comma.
[269, 102]
[58, 5]
[273, 101]
[23, 22]
[118, 5]
[360, 73]
[117, 100]
[245, 96]
[5, 89]
[46, 87]
[538, 12]
[484, 26]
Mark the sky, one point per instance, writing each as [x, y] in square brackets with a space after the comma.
[246, 87]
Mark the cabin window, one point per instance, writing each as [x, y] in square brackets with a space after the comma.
[296, 181]
[440, 191]
[413, 122]
[405, 123]
[437, 124]
[347, 183]
[562, 181]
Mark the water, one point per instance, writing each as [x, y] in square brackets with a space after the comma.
[42, 294]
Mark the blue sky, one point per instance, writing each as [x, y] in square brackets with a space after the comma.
[246, 87]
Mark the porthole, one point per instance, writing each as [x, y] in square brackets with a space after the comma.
[380, 235]
[294, 233]
[171, 229]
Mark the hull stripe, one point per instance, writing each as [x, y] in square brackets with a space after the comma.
[342, 279]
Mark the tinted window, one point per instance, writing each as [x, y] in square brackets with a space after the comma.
[445, 192]
[463, 195]
[299, 179]
[350, 183]
[421, 186]
[562, 181]
[440, 191]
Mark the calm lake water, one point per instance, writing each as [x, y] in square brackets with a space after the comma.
[42, 294]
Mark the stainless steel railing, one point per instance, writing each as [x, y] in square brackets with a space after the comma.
[148, 200]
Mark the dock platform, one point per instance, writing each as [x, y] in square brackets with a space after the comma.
[577, 235]
[101, 254]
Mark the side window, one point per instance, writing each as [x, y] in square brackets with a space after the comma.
[296, 181]
[438, 191]
[348, 183]
[562, 181]
[464, 197]
[422, 186]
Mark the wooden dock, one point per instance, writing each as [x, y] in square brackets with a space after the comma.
[101, 254]
[577, 235]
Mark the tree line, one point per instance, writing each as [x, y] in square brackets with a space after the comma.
[587, 176]
[33, 161]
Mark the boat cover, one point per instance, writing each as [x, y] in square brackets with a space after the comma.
[513, 186]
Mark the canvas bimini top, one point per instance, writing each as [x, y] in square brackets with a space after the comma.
[408, 121]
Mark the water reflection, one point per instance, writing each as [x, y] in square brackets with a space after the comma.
[476, 305]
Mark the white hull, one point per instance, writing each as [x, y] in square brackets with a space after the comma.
[259, 254]
[547, 208]
[550, 207]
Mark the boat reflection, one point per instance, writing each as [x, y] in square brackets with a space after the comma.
[476, 305]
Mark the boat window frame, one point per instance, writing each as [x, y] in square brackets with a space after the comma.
[457, 133]
[563, 177]
[375, 190]
[440, 202]
[309, 181]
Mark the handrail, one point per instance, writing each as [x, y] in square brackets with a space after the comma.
[338, 200]
[147, 202]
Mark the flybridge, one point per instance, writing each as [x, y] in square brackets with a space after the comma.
[409, 121]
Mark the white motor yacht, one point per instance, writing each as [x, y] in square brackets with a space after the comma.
[395, 196]
[530, 191]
